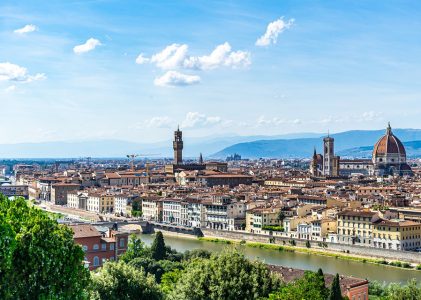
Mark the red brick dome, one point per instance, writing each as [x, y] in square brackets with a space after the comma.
[388, 144]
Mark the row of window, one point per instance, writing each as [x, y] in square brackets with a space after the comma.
[96, 260]
[96, 247]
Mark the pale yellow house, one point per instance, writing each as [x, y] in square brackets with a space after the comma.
[396, 234]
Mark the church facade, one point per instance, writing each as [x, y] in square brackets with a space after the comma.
[388, 158]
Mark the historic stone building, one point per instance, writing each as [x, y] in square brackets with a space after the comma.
[178, 147]
[328, 163]
[389, 156]
[178, 165]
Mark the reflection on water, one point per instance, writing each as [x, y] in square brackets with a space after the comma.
[299, 260]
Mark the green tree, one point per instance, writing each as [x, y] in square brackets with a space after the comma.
[228, 275]
[39, 259]
[118, 280]
[335, 289]
[411, 291]
[169, 280]
[158, 249]
[310, 286]
[154, 267]
[136, 248]
[281, 216]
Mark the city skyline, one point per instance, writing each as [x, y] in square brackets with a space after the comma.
[133, 71]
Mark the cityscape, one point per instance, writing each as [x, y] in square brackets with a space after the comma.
[119, 185]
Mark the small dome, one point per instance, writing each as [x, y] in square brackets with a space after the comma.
[388, 144]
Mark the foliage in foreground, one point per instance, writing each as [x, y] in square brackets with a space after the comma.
[395, 291]
[38, 257]
[118, 280]
[228, 275]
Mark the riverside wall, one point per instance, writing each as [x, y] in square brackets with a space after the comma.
[406, 256]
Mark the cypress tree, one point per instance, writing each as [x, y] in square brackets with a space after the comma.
[321, 283]
[335, 290]
[158, 247]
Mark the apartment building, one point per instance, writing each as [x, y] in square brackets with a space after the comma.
[171, 211]
[59, 192]
[98, 247]
[78, 200]
[257, 218]
[355, 227]
[152, 209]
[396, 235]
[223, 213]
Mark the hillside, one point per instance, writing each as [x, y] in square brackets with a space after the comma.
[347, 143]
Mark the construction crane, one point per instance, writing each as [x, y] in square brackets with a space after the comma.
[132, 157]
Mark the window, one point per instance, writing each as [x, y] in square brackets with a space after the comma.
[112, 246]
[103, 246]
[96, 261]
[96, 247]
[121, 243]
[85, 248]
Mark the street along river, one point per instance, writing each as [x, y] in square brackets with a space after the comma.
[303, 261]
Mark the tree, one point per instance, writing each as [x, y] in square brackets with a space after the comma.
[310, 286]
[411, 291]
[335, 289]
[169, 280]
[281, 216]
[228, 275]
[158, 247]
[136, 248]
[153, 267]
[39, 259]
[118, 280]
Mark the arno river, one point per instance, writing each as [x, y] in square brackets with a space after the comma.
[298, 260]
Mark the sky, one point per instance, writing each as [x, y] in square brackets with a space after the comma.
[75, 70]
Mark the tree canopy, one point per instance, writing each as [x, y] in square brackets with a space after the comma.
[335, 289]
[158, 249]
[310, 286]
[38, 257]
[228, 275]
[118, 280]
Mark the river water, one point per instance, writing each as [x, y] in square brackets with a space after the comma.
[298, 260]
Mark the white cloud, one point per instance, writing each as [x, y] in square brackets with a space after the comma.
[196, 119]
[275, 121]
[176, 56]
[371, 116]
[10, 89]
[159, 122]
[220, 56]
[12, 72]
[272, 32]
[173, 56]
[88, 46]
[141, 59]
[174, 78]
[26, 29]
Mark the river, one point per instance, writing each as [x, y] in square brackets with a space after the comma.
[303, 261]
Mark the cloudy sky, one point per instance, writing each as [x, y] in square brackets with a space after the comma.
[133, 70]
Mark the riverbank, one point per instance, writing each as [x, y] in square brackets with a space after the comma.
[321, 252]
[294, 259]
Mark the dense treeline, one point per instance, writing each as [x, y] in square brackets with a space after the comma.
[39, 260]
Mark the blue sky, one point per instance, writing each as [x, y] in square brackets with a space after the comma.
[322, 65]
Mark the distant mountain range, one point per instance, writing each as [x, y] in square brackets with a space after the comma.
[354, 143]
[413, 149]
[117, 148]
